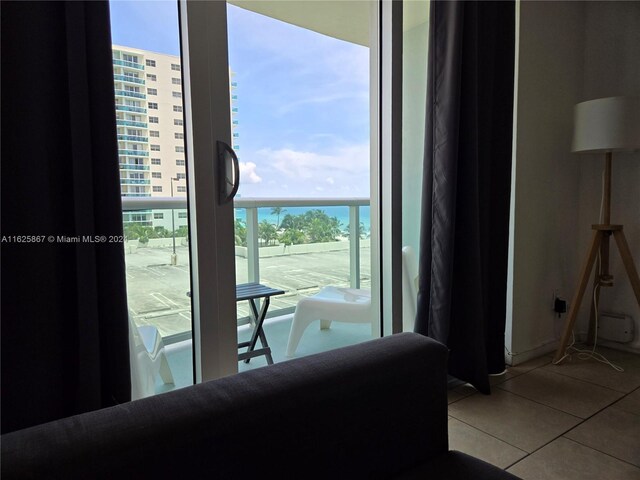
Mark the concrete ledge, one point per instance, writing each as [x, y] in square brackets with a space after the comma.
[280, 250]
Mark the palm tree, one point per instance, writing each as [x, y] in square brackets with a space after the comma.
[278, 211]
[267, 232]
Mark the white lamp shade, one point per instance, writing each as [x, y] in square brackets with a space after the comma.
[607, 125]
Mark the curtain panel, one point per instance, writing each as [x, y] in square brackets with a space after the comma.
[64, 314]
[466, 184]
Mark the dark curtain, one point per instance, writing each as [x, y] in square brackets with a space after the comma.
[466, 186]
[64, 314]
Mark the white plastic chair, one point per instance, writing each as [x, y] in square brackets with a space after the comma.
[329, 304]
[409, 289]
[148, 359]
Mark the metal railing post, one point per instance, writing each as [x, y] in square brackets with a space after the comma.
[354, 246]
[253, 254]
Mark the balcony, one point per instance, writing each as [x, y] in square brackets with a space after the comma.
[127, 93]
[135, 181]
[133, 153]
[129, 79]
[132, 138]
[134, 166]
[126, 194]
[157, 289]
[124, 63]
[129, 108]
[131, 123]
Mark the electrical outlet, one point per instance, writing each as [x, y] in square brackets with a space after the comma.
[560, 306]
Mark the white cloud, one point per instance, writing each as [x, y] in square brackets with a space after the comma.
[248, 173]
[330, 180]
[349, 160]
[308, 99]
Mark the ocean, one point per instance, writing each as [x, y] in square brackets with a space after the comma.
[341, 213]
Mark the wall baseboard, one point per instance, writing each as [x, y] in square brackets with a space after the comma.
[514, 359]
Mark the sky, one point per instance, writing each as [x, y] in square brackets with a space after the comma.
[303, 99]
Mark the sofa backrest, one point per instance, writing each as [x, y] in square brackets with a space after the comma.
[366, 411]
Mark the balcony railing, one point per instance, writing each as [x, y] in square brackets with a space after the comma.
[133, 138]
[297, 258]
[134, 166]
[131, 123]
[129, 108]
[135, 181]
[129, 79]
[133, 153]
[124, 63]
[128, 93]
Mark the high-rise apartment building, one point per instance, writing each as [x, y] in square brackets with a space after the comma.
[150, 123]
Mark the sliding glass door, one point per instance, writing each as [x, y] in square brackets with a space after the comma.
[300, 90]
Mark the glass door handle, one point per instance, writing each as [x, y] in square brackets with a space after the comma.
[229, 172]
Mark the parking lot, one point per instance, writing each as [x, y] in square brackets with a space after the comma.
[157, 290]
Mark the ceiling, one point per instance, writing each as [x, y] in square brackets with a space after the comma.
[346, 20]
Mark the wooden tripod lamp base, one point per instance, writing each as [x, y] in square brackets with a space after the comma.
[604, 125]
[600, 237]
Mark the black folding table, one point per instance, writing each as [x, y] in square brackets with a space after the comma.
[252, 292]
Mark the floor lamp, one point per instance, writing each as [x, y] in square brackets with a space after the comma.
[605, 125]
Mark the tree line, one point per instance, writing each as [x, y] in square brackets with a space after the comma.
[313, 226]
[143, 233]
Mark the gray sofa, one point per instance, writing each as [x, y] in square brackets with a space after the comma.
[374, 410]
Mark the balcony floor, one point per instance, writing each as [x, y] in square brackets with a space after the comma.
[276, 329]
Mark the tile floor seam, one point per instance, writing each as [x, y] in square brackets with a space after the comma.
[613, 405]
[528, 371]
[587, 381]
[518, 461]
[490, 434]
[599, 451]
[528, 453]
[544, 404]
[562, 435]
[613, 402]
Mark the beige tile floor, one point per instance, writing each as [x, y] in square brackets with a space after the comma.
[579, 420]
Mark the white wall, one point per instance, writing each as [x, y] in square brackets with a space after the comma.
[543, 257]
[612, 68]
[568, 52]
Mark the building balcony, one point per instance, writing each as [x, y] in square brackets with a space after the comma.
[126, 194]
[134, 166]
[129, 108]
[124, 63]
[132, 138]
[127, 93]
[133, 153]
[135, 181]
[129, 79]
[131, 123]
